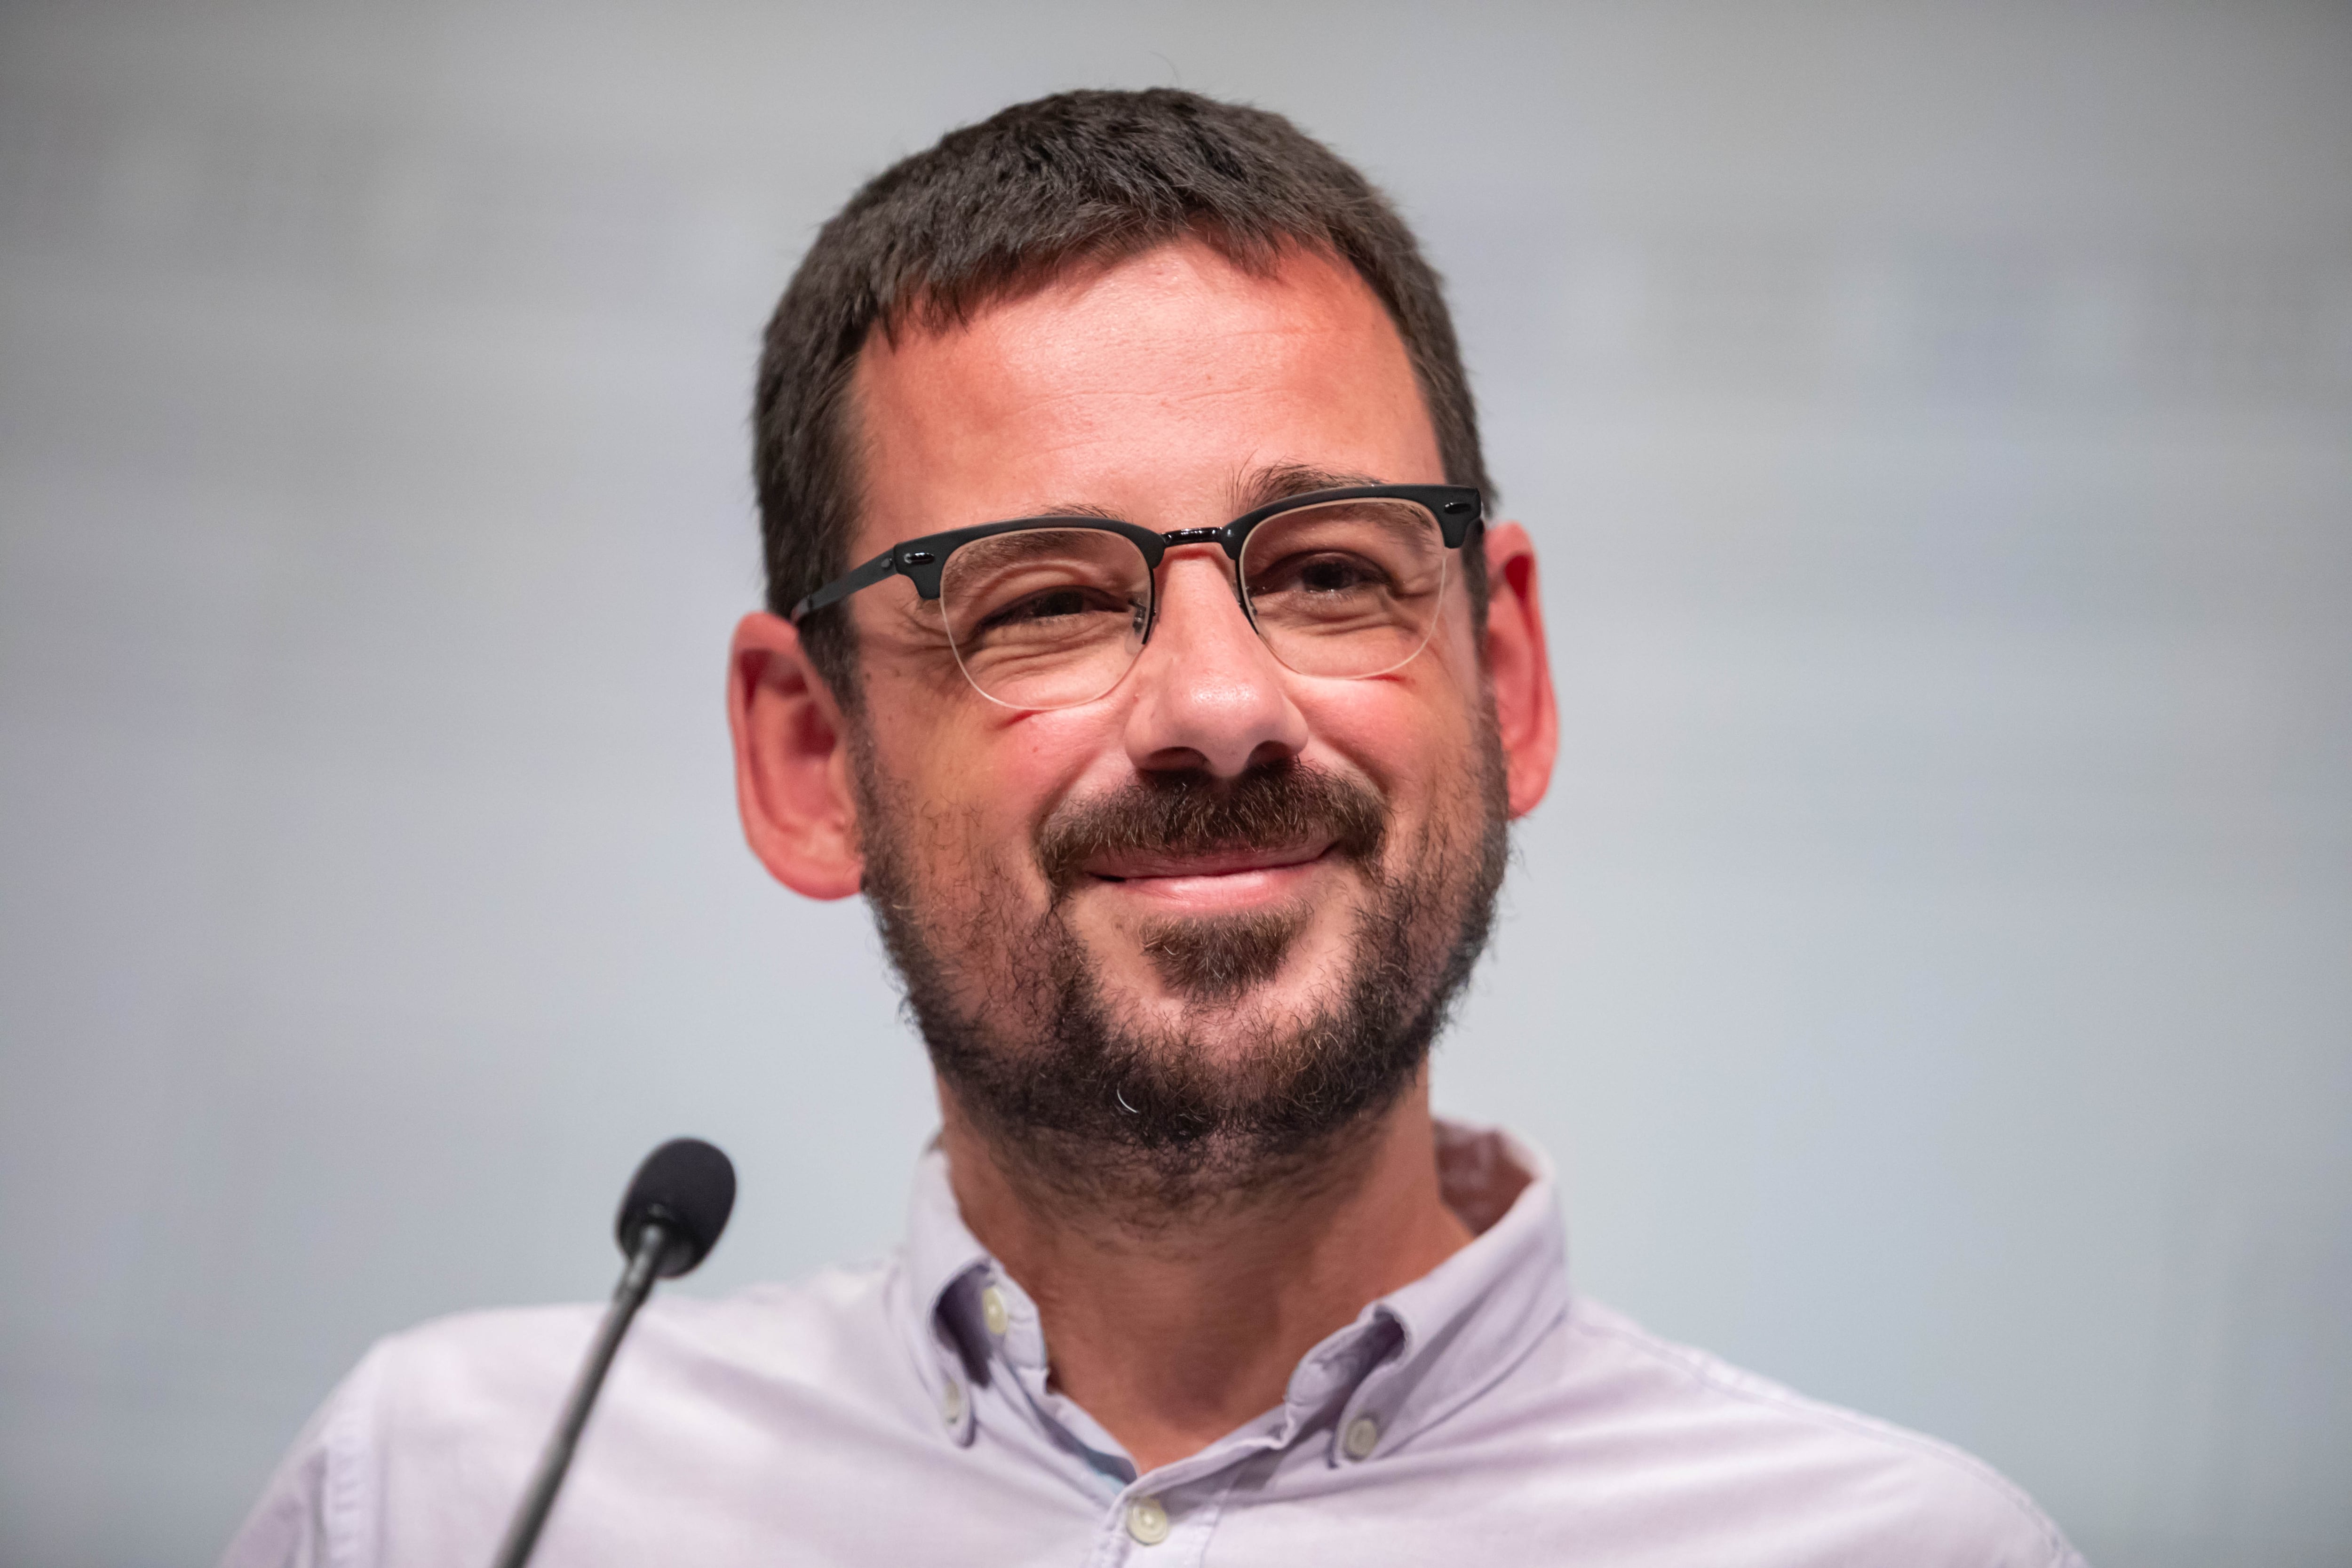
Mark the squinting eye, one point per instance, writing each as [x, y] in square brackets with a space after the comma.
[1319, 575]
[1061, 602]
[1330, 576]
[1057, 604]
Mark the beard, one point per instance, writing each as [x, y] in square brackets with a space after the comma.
[1234, 1097]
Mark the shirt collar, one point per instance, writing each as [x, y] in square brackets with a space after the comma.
[1442, 1341]
[946, 1266]
[1411, 1358]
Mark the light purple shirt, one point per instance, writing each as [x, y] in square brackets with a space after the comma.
[903, 1413]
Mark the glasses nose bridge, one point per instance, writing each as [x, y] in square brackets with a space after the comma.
[1175, 538]
[1178, 539]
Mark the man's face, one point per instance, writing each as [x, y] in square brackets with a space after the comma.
[1169, 913]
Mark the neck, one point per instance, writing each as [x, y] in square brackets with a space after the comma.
[1173, 1330]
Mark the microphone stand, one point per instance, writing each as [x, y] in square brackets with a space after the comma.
[653, 1241]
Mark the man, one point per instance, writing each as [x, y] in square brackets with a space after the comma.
[1138, 646]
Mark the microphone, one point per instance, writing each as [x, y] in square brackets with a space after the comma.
[670, 1218]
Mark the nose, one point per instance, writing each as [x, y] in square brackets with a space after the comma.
[1210, 695]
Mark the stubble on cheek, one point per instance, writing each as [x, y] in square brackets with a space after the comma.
[959, 909]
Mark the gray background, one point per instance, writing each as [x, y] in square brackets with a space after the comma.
[1930, 971]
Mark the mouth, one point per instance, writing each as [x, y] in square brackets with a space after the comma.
[1222, 880]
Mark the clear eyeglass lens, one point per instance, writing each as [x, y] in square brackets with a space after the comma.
[1046, 617]
[1349, 588]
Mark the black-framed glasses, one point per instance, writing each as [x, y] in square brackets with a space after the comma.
[1051, 612]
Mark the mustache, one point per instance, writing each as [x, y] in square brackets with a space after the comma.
[1192, 812]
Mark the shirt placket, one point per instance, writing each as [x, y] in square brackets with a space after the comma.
[1156, 1524]
[1168, 1518]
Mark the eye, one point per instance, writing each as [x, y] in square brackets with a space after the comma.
[1323, 573]
[1056, 603]
[1335, 575]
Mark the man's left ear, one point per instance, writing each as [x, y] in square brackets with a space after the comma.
[1519, 667]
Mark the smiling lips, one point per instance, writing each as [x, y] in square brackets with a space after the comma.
[1244, 875]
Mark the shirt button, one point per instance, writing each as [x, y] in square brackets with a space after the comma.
[992, 1312]
[951, 1402]
[1363, 1436]
[1147, 1520]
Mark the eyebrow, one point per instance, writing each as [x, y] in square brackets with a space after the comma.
[1251, 490]
[1280, 481]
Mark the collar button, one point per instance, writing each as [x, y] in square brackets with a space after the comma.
[1147, 1520]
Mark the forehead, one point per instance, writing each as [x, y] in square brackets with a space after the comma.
[1151, 386]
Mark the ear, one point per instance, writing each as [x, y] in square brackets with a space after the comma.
[791, 762]
[1519, 667]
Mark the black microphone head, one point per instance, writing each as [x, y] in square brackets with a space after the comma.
[685, 1186]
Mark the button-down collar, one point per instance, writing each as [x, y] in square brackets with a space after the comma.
[1410, 1357]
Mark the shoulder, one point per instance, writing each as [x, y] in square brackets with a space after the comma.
[470, 1366]
[420, 1453]
[783, 1333]
[1768, 1465]
[810, 1351]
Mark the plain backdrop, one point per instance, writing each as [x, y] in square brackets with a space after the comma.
[1931, 968]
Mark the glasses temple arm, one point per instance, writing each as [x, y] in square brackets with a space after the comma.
[841, 587]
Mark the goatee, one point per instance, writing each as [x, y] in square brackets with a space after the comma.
[1231, 1101]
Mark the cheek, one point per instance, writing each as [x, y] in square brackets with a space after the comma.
[980, 779]
[1409, 733]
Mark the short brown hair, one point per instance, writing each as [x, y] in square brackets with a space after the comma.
[1002, 207]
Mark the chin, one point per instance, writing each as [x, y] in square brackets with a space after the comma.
[1257, 979]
